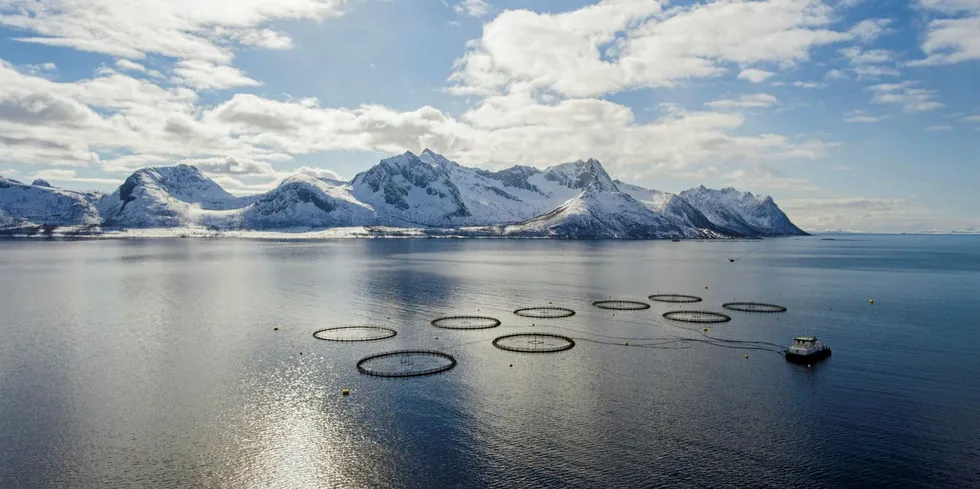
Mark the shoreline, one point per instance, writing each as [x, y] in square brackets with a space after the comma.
[355, 232]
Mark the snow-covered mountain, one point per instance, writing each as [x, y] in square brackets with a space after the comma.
[22, 204]
[302, 201]
[605, 212]
[572, 200]
[406, 191]
[741, 213]
[172, 196]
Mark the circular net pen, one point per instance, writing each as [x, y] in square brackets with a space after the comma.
[545, 312]
[534, 342]
[406, 363]
[697, 316]
[466, 322]
[622, 305]
[753, 307]
[354, 333]
[675, 298]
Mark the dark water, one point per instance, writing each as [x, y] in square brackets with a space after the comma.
[155, 364]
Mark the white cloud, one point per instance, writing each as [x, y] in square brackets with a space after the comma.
[951, 6]
[263, 38]
[809, 84]
[54, 174]
[911, 99]
[205, 75]
[867, 214]
[951, 40]
[869, 64]
[873, 71]
[127, 65]
[136, 123]
[228, 165]
[60, 175]
[861, 116]
[766, 177]
[534, 105]
[856, 213]
[182, 29]
[318, 172]
[235, 186]
[473, 8]
[943, 127]
[972, 118]
[622, 44]
[835, 75]
[756, 100]
[755, 76]
[870, 29]
[857, 55]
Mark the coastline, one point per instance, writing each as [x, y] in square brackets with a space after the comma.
[354, 232]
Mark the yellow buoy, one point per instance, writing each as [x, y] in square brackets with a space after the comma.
[746, 356]
[549, 302]
[706, 286]
[627, 343]
[705, 330]
[871, 301]
[808, 365]
[275, 329]
[345, 392]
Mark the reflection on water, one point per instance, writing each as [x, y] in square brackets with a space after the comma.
[157, 363]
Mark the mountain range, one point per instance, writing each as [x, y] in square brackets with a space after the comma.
[425, 191]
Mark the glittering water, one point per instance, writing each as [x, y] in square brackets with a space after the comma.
[156, 364]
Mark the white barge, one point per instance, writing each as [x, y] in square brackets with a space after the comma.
[807, 349]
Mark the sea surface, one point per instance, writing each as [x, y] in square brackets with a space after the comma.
[157, 363]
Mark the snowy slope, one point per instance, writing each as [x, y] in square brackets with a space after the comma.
[600, 210]
[405, 191]
[301, 201]
[44, 205]
[518, 193]
[173, 196]
[671, 206]
[741, 213]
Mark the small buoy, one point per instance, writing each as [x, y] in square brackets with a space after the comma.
[871, 301]
[549, 302]
[706, 286]
[300, 353]
[705, 330]
[746, 356]
[808, 365]
[345, 392]
[512, 365]
[627, 343]
[275, 329]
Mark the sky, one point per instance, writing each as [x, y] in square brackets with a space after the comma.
[857, 115]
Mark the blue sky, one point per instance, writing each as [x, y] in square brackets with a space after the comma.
[852, 114]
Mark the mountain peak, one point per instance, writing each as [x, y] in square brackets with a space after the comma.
[581, 175]
[39, 182]
[741, 213]
[434, 159]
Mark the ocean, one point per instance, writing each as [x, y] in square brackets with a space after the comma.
[192, 363]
